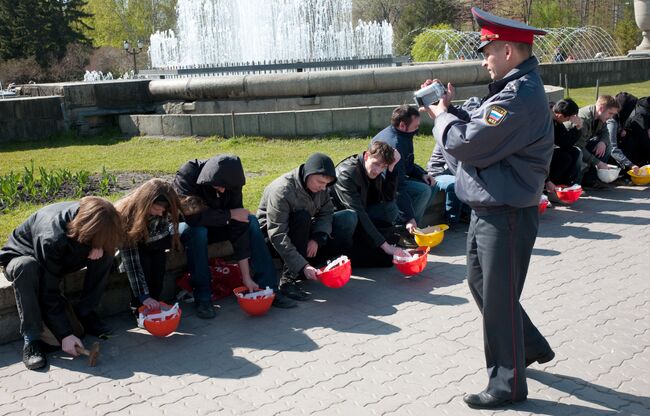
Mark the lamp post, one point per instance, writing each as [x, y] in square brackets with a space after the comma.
[133, 50]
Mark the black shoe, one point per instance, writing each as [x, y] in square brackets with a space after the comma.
[283, 302]
[484, 400]
[541, 359]
[205, 310]
[293, 291]
[94, 325]
[34, 355]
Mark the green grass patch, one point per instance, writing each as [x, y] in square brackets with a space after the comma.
[587, 96]
[263, 159]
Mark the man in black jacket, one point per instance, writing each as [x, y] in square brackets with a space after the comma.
[366, 183]
[414, 184]
[218, 183]
[58, 239]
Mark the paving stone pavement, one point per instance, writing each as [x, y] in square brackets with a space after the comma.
[385, 344]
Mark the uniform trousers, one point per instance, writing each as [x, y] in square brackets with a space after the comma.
[499, 246]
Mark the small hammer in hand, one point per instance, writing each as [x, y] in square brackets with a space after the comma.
[92, 354]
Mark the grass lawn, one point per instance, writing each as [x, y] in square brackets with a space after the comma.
[263, 159]
[587, 96]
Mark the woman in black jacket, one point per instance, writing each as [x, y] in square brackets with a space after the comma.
[58, 239]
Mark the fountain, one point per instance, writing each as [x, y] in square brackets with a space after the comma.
[240, 32]
[578, 43]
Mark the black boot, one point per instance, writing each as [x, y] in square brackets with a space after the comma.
[205, 310]
[283, 302]
[34, 355]
[290, 288]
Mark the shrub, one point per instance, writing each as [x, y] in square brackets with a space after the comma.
[108, 59]
[430, 44]
[69, 68]
[20, 71]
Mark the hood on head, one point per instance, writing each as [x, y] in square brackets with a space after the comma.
[222, 170]
[318, 163]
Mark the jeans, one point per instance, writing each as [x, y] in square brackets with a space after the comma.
[264, 273]
[196, 240]
[344, 223]
[420, 194]
[383, 214]
[447, 183]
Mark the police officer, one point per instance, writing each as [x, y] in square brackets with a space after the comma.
[500, 148]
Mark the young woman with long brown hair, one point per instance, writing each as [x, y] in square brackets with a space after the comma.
[55, 240]
[150, 216]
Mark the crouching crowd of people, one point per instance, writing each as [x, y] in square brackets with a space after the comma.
[614, 131]
[364, 207]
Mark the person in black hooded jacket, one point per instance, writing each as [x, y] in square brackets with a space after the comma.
[565, 164]
[297, 214]
[218, 183]
[636, 138]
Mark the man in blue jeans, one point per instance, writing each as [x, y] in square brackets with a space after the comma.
[218, 183]
[444, 181]
[297, 214]
[413, 183]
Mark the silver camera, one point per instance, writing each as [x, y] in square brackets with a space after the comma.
[430, 94]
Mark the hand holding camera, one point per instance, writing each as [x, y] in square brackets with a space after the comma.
[433, 97]
[429, 94]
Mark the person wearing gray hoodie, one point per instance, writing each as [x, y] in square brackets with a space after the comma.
[297, 215]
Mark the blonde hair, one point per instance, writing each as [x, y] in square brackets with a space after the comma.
[609, 102]
[96, 224]
[134, 210]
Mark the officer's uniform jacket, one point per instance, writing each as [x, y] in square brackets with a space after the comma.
[501, 150]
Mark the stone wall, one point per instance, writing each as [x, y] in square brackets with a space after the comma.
[274, 105]
[30, 118]
[605, 71]
[91, 107]
[302, 123]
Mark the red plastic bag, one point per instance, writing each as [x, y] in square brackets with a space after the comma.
[224, 278]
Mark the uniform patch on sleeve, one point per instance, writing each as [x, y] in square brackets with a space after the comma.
[495, 115]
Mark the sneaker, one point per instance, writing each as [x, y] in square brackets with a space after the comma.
[291, 289]
[283, 302]
[205, 310]
[34, 355]
[94, 325]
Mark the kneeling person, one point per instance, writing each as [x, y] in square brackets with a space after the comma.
[58, 239]
[366, 184]
[218, 183]
[297, 214]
